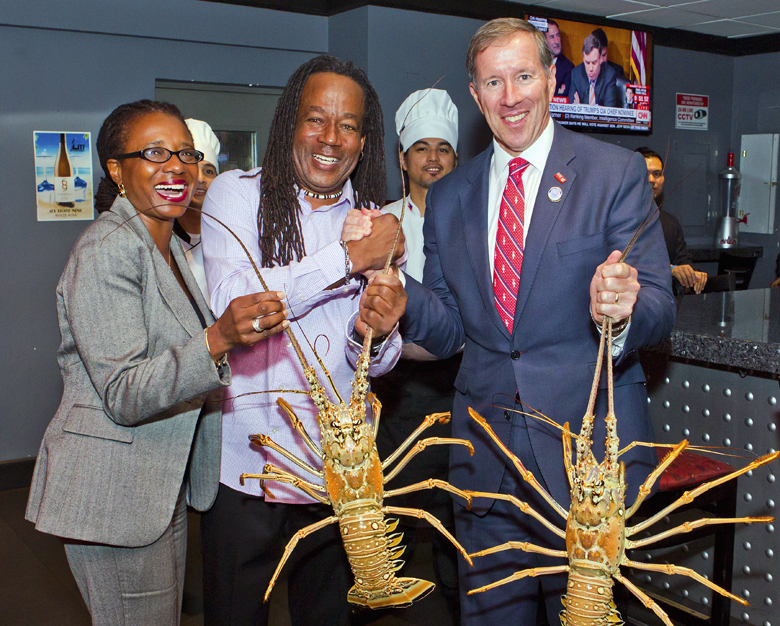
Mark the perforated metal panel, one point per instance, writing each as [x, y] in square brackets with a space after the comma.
[712, 407]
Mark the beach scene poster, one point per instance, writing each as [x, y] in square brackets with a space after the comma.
[63, 175]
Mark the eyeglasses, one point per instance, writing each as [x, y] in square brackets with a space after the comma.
[161, 155]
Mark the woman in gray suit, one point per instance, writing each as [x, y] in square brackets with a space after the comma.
[137, 434]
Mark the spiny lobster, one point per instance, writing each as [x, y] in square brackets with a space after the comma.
[354, 480]
[596, 535]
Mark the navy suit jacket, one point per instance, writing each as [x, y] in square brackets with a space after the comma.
[550, 357]
[606, 88]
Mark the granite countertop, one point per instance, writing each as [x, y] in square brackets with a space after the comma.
[703, 253]
[739, 328]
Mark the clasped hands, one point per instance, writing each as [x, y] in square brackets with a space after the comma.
[369, 234]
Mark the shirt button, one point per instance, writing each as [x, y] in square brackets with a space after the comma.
[507, 416]
[275, 430]
[515, 354]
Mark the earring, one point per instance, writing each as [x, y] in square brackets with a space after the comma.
[122, 193]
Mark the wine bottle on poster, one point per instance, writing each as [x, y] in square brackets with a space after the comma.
[64, 186]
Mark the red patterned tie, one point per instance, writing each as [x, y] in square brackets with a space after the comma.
[509, 243]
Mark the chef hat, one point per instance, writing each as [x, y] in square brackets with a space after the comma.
[205, 140]
[427, 113]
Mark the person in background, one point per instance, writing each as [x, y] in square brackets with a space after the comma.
[187, 227]
[679, 257]
[325, 156]
[420, 384]
[591, 82]
[602, 37]
[522, 244]
[136, 437]
[563, 66]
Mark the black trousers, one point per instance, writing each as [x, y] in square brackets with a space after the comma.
[243, 538]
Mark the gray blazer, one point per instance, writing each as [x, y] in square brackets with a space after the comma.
[141, 406]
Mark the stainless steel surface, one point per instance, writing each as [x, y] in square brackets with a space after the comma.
[737, 416]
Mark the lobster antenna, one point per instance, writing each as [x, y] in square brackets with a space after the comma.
[370, 331]
[652, 212]
[290, 334]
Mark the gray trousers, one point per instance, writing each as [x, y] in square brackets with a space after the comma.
[134, 586]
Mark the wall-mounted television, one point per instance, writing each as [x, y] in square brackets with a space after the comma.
[603, 76]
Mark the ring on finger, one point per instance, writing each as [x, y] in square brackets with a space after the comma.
[256, 325]
[617, 297]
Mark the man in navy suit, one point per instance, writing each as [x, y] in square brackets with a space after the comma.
[583, 200]
[591, 81]
[563, 66]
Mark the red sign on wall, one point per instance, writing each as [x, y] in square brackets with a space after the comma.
[692, 111]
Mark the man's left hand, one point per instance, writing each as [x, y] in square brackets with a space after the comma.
[381, 305]
[613, 290]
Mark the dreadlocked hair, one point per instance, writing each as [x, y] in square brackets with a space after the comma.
[113, 137]
[278, 215]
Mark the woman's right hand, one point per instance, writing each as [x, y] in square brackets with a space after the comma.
[238, 326]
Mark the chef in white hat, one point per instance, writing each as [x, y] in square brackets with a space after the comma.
[427, 125]
[187, 227]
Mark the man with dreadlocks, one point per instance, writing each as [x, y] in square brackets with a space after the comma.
[325, 156]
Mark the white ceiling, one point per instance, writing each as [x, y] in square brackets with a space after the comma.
[724, 18]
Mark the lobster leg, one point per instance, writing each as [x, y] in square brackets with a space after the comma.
[534, 571]
[527, 476]
[525, 546]
[523, 506]
[419, 447]
[644, 598]
[291, 546]
[429, 484]
[429, 421]
[279, 475]
[684, 571]
[689, 496]
[265, 440]
[298, 425]
[376, 410]
[689, 526]
[420, 514]
[647, 486]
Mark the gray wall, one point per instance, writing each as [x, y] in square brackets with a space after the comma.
[756, 109]
[67, 65]
[695, 202]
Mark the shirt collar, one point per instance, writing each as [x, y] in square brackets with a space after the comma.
[347, 197]
[536, 154]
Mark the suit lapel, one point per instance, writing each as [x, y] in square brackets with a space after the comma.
[167, 285]
[545, 214]
[474, 200]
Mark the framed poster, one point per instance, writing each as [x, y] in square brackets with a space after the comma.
[63, 176]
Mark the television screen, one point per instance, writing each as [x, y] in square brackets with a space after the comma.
[603, 76]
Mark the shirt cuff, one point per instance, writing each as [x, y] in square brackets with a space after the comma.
[389, 349]
[617, 342]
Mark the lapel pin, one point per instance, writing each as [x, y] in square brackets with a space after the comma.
[560, 177]
[555, 194]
